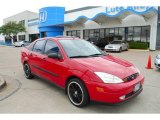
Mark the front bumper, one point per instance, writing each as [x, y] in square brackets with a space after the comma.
[112, 49]
[157, 63]
[113, 93]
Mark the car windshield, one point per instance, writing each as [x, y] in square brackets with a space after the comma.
[158, 56]
[116, 42]
[80, 48]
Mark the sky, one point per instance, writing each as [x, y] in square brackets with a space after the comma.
[12, 7]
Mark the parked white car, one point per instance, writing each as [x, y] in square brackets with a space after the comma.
[117, 45]
[157, 61]
[19, 44]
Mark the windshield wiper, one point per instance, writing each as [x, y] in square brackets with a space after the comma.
[79, 56]
[96, 55]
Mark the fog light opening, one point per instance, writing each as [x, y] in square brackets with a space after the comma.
[122, 97]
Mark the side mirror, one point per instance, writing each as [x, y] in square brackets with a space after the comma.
[55, 55]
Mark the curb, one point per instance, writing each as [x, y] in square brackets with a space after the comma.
[138, 50]
[2, 83]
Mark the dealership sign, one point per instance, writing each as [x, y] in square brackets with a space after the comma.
[42, 16]
[136, 9]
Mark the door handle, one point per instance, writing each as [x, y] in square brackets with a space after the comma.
[43, 59]
[30, 54]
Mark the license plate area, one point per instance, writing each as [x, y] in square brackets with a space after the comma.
[137, 87]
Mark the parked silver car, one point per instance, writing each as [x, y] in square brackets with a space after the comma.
[117, 45]
[19, 44]
[22, 43]
[157, 61]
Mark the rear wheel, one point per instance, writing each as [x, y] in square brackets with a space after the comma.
[27, 71]
[77, 93]
[127, 49]
[120, 49]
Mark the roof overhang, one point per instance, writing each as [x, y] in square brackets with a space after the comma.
[103, 16]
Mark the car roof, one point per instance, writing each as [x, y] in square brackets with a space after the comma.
[62, 37]
[57, 38]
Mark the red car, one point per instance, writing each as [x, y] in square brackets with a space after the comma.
[85, 72]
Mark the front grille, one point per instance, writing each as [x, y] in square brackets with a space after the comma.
[131, 77]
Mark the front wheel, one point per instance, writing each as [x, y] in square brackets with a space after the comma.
[27, 71]
[77, 93]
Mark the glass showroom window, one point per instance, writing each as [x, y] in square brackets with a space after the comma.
[96, 32]
[122, 33]
[145, 35]
[69, 33]
[21, 37]
[137, 34]
[102, 33]
[75, 33]
[116, 31]
[107, 32]
[78, 33]
[86, 34]
[91, 33]
[130, 34]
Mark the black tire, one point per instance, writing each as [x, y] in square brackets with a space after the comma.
[77, 93]
[27, 71]
[22, 45]
[120, 49]
[127, 49]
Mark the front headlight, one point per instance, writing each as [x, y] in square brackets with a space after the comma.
[108, 78]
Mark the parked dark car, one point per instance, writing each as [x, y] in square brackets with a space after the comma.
[99, 42]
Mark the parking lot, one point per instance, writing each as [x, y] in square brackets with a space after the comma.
[39, 96]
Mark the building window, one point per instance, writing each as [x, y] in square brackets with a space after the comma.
[116, 31]
[102, 33]
[21, 37]
[122, 33]
[145, 35]
[22, 22]
[130, 34]
[75, 33]
[96, 33]
[86, 34]
[137, 34]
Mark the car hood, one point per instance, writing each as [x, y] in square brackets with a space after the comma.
[108, 64]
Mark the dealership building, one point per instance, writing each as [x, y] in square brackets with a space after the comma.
[136, 23]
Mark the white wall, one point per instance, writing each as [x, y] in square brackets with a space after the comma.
[26, 15]
[90, 13]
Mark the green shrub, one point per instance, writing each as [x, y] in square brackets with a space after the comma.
[138, 45]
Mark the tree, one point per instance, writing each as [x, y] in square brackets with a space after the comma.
[12, 28]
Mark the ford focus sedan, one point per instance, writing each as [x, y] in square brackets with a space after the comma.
[82, 70]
